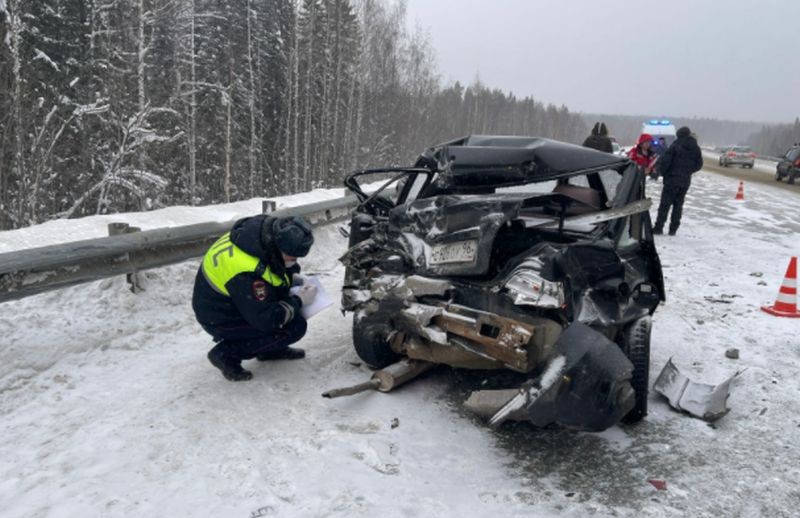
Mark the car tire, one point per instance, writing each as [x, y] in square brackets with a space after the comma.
[720, 162]
[778, 176]
[370, 339]
[792, 176]
[636, 346]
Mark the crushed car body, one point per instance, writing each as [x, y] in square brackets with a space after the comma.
[517, 253]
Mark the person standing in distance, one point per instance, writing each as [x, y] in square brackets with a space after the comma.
[241, 293]
[679, 163]
[599, 138]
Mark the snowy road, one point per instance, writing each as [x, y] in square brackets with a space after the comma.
[763, 172]
[109, 407]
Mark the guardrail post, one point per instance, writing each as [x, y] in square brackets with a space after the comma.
[134, 279]
[268, 206]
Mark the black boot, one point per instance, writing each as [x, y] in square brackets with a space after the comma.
[230, 368]
[658, 230]
[290, 353]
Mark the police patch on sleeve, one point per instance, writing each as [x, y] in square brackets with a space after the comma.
[260, 290]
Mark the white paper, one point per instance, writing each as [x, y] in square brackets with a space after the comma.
[321, 301]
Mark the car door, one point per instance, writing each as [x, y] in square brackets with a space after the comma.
[634, 239]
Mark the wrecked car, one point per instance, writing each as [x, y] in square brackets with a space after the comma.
[516, 253]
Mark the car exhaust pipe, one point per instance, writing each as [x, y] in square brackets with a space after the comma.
[386, 379]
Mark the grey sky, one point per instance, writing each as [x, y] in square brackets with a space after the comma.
[732, 59]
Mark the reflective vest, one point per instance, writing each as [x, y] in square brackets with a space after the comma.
[224, 261]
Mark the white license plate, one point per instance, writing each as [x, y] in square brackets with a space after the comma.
[460, 252]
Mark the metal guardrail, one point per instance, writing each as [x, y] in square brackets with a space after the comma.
[28, 272]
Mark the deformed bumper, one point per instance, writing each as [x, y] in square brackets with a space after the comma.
[585, 386]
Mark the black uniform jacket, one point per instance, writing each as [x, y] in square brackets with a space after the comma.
[251, 301]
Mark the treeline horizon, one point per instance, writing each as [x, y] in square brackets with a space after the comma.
[766, 139]
[775, 139]
[121, 105]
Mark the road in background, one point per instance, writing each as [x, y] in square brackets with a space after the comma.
[763, 171]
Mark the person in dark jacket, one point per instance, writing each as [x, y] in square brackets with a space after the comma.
[679, 163]
[242, 293]
[599, 138]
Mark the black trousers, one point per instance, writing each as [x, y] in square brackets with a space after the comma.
[671, 196]
[244, 342]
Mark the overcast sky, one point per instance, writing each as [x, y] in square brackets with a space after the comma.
[732, 59]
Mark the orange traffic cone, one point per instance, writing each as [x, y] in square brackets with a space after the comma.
[740, 192]
[786, 303]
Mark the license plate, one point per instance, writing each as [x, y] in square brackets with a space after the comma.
[460, 252]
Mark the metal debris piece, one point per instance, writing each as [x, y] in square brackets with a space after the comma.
[386, 379]
[661, 485]
[732, 353]
[529, 393]
[395, 423]
[698, 399]
[485, 403]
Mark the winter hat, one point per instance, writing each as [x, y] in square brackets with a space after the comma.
[603, 129]
[644, 137]
[291, 235]
[683, 132]
[596, 129]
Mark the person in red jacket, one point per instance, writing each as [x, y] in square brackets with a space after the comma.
[643, 153]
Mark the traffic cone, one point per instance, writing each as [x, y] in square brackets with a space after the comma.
[786, 303]
[740, 192]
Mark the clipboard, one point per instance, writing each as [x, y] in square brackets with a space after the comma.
[321, 301]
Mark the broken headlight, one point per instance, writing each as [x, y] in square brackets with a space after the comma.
[527, 288]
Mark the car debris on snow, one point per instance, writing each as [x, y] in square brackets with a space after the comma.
[708, 402]
[386, 379]
[732, 353]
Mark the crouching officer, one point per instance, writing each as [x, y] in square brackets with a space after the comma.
[241, 293]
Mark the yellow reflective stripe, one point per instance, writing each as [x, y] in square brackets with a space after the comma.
[224, 261]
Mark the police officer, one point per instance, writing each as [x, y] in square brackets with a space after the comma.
[241, 293]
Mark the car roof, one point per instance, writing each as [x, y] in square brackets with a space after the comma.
[496, 160]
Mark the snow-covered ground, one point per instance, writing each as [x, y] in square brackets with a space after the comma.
[110, 408]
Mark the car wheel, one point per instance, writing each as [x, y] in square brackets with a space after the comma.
[792, 175]
[636, 346]
[720, 162]
[370, 339]
[778, 176]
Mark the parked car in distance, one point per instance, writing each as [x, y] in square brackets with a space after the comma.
[741, 155]
[789, 166]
